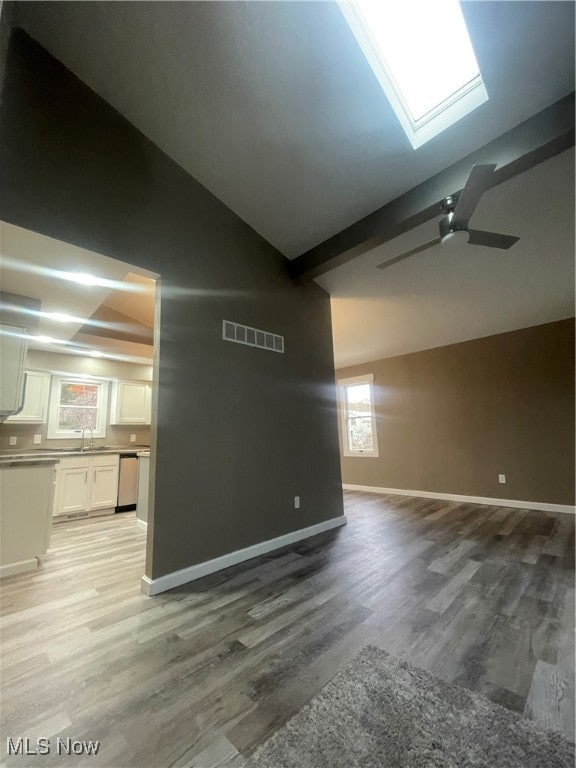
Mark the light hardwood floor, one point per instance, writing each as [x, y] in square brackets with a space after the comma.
[200, 676]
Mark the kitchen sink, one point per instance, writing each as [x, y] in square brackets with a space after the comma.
[69, 450]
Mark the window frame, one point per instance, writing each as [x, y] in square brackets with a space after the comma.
[342, 385]
[419, 130]
[53, 432]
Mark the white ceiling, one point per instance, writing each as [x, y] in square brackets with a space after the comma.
[443, 295]
[29, 263]
[272, 106]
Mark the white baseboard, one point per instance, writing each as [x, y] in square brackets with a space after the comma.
[22, 566]
[142, 523]
[177, 578]
[543, 507]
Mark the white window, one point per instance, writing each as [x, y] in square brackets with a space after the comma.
[75, 404]
[358, 423]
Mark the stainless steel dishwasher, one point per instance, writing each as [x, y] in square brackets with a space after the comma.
[127, 482]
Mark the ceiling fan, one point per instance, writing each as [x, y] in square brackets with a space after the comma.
[458, 210]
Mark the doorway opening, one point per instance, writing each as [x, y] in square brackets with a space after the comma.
[89, 326]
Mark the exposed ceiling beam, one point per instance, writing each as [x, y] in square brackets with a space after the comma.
[532, 142]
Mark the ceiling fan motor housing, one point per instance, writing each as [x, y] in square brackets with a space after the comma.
[458, 208]
[447, 228]
[449, 204]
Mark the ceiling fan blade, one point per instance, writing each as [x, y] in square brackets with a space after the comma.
[478, 182]
[491, 239]
[407, 255]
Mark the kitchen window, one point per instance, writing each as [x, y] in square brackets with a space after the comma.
[76, 404]
[357, 419]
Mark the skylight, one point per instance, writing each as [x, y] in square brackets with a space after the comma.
[421, 53]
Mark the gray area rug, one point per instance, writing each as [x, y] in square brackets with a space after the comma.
[381, 712]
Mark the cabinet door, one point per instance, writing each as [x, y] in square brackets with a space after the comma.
[104, 486]
[35, 399]
[72, 491]
[13, 355]
[130, 403]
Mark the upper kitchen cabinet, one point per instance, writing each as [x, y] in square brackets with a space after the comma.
[13, 354]
[131, 402]
[36, 392]
[18, 319]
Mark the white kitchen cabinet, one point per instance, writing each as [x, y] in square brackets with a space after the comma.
[86, 484]
[72, 485]
[36, 392]
[13, 347]
[131, 402]
[104, 485]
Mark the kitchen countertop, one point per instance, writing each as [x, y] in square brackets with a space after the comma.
[14, 457]
[27, 461]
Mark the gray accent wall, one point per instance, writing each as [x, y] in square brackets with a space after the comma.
[451, 419]
[240, 431]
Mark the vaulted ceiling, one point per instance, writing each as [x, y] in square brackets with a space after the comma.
[272, 106]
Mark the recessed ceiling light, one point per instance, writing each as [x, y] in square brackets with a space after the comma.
[44, 339]
[83, 278]
[95, 353]
[80, 278]
[60, 317]
[423, 58]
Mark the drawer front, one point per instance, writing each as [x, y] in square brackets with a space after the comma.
[108, 460]
[74, 462]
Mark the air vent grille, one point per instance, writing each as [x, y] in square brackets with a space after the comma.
[252, 337]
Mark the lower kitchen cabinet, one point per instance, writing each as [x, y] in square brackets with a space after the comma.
[71, 490]
[86, 484]
[104, 485]
[26, 495]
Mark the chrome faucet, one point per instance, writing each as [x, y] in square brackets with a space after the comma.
[82, 439]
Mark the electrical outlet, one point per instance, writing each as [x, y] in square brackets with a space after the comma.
[13, 439]
[132, 438]
[501, 478]
[296, 502]
[37, 439]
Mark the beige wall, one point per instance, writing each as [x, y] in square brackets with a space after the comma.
[38, 360]
[77, 364]
[451, 419]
